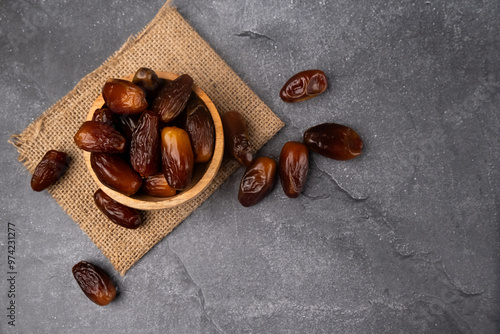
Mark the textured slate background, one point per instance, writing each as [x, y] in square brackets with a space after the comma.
[403, 239]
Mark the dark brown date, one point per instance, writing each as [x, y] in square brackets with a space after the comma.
[303, 86]
[95, 136]
[258, 181]
[145, 146]
[173, 97]
[124, 97]
[115, 173]
[236, 137]
[127, 124]
[147, 79]
[94, 282]
[177, 157]
[156, 185]
[201, 130]
[104, 115]
[333, 141]
[293, 167]
[118, 213]
[49, 170]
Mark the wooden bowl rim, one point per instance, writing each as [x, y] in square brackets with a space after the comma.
[158, 203]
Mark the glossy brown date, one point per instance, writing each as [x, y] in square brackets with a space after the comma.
[258, 181]
[146, 78]
[145, 145]
[200, 127]
[293, 168]
[177, 157]
[49, 170]
[127, 124]
[94, 282]
[104, 115]
[333, 141]
[118, 213]
[115, 172]
[303, 86]
[95, 136]
[173, 97]
[156, 185]
[124, 97]
[236, 137]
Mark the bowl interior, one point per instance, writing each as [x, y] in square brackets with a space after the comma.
[203, 173]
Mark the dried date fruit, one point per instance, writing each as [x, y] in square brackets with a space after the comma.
[258, 181]
[173, 97]
[118, 213]
[156, 185]
[333, 141]
[49, 170]
[124, 97]
[104, 115]
[177, 157]
[200, 127]
[293, 168]
[114, 172]
[303, 86]
[236, 137]
[94, 282]
[147, 79]
[145, 145]
[95, 136]
[127, 124]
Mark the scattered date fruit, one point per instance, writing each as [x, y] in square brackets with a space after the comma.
[236, 137]
[94, 282]
[123, 97]
[258, 181]
[118, 213]
[293, 168]
[94, 136]
[333, 141]
[303, 86]
[49, 170]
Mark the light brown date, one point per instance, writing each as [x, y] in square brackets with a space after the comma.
[303, 86]
[116, 212]
[95, 136]
[173, 97]
[334, 141]
[177, 157]
[201, 130]
[49, 170]
[104, 115]
[156, 185]
[115, 172]
[293, 168]
[124, 97]
[94, 282]
[236, 137]
[145, 145]
[258, 181]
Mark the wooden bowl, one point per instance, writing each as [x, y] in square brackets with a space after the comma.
[203, 173]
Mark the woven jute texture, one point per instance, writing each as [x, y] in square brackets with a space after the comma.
[167, 43]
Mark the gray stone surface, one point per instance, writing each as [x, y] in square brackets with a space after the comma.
[403, 239]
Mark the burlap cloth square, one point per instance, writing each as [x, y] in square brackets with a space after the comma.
[167, 43]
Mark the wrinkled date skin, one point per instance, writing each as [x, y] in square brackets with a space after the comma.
[118, 213]
[127, 125]
[115, 173]
[173, 97]
[124, 97]
[334, 141]
[94, 282]
[257, 182]
[293, 168]
[177, 157]
[303, 86]
[156, 185]
[201, 130]
[104, 115]
[49, 170]
[95, 136]
[236, 137]
[145, 146]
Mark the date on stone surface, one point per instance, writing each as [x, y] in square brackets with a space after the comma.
[94, 282]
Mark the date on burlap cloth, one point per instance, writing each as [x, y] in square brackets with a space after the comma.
[167, 43]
